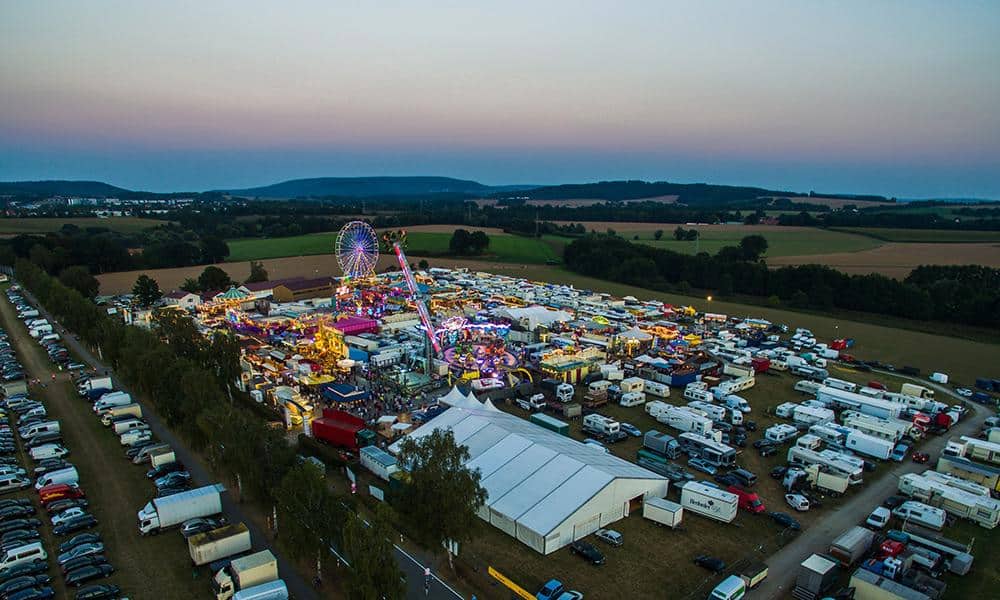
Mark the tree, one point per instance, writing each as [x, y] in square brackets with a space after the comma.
[42, 256]
[80, 279]
[459, 242]
[800, 299]
[302, 499]
[478, 242]
[191, 285]
[213, 249]
[726, 285]
[374, 572]
[146, 290]
[257, 272]
[753, 247]
[658, 234]
[214, 279]
[423, 264]
[680, 234]
[443, 496]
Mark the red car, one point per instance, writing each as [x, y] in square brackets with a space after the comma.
[921, 457]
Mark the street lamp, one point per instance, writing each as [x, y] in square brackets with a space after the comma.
[709, 298]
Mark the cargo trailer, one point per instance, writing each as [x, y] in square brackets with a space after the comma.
[550, 423]
[850, 546]
[663, 512]
[220, 543]
[709, 501]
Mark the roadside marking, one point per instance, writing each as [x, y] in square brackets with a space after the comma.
[509, 584]
[436, 578]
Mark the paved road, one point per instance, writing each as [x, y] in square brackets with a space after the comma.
[297, 586]
[783, 566]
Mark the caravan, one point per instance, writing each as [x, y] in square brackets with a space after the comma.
[698, 395]
[714, 452]
[655, 388]
[632, 399]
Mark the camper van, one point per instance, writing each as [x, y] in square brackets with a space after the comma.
[737, 403]
[632, 399]
[697, 395]
[632, 384]
[921, 514]
[780, 433]
[655, 388]
[808, 387]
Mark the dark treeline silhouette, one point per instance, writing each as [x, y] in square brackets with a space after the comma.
[960, 294]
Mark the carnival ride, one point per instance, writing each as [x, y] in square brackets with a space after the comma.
[395, 240]
[357, 250]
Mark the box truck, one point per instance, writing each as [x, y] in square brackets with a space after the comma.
[274, 590]
[709, 501]
[95, 383]
[170, 511]
[162, 456]
[244, 573]
[661, 443]
[851, 545]
[912, 389]
[220, 543]
[144, 454]
[663, 512]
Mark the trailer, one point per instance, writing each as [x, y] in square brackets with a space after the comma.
[869, 445]
[851, 545]
[871, 586]
[822, 478]
[982, 510]
[850, 401]
[656, 388]
[709, 501]
[550, 423]
[663, 512]
[682, 419]
[245, 572]
[809, 415]
[874, 426]
[601, 425]
[985, 475]
[973, 448]
[378, 461]
[172, 510]
[919, 391]
[708, 449]
[342, 430]
[217, 544]
[632, 384]
[815, 576]
[833, 462]
[959, 556]
[840, 384]
[273, 590]
[162, 456]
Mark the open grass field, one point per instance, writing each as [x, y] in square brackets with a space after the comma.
[45, 225]
[420, 241]
[782, 241]
[930, 236]
[155, 567]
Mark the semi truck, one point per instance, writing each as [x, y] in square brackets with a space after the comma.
[562, 391]
[244, 573]
[661, 443]
[169, 511]
[342, 430]
[709, 501]
[218, 544]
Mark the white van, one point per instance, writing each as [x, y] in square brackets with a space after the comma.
[731, 588]
[13, 482]
[47, 451]
[921, 514]
[32, 430]
[23, 554]
[122, 413]
[135, 436]
[109, 401]
[128, 425]
[67, 475]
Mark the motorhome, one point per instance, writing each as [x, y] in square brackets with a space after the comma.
[973, 448]
[980, 509]
[685, 420]
[710, 450]
[655, 407]
[874, 426]
[912, 511]
[829, 433]
[781, 433]
[737, 403]
[697, 395]
[655, 388]
[712, 411]
[601, 425]
[785, 410]
[985, 475]
[809, 415]
[834, 462]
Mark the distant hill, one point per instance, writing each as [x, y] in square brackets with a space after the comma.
[370, 186]
[687, 193]
[86, 189]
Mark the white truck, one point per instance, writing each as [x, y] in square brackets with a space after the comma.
[218, 544]
[128, 410]
[709, 501]
[663, 512]
[170, 511]
[111, 400]
[95, 383]
[274, 590]
[245, 572]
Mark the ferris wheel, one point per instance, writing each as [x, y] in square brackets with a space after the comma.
[357, 249]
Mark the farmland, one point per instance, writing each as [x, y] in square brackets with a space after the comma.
[898, 259]
[930, 236]
[46, 225]
[420, 241]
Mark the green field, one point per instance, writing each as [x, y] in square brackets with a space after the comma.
[503, 247]
[795, 242]
[46, 225]
[924, 235]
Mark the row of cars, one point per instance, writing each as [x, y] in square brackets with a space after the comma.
[24, 568]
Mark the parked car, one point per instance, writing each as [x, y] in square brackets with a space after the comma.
[59, 506]
[894, 501]
[33, 593]
[200, 525]
[83, 561]
[98, 592]
[630, 429]
[33, 567]
[778, 472]
[550, 591]
[921, 457]
[84, 549]
[23, 582]
[785, 520]
[80, 538]
[82, 575]
[15, 512]
[610, 536]
[160, 471]
[173, 479]
[765, 451]
[702, 465]
[19, 524]
[899, 452]
[587, 551]
[879, 518]
[74, 524]
[713, 564]
[797, 501]
[67, 515]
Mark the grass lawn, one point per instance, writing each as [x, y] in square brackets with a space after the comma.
[45, 225]
[924, 235]
[503, 247]
[795, 242]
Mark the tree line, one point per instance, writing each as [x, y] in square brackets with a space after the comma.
[959, 294]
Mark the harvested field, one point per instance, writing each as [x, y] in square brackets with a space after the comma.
[832, 202]
[578, 202]
[898, 259]
[940, 236]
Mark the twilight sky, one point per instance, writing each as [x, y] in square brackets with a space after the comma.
[892, 97]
